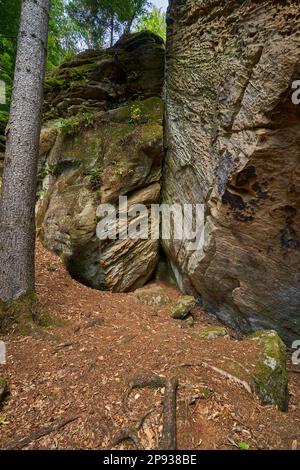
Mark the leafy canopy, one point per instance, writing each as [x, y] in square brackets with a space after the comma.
[102, 21]
[154, 21]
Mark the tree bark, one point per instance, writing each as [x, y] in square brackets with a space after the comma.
[17, 204]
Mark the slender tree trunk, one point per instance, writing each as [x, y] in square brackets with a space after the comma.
[112, 30]
[17, 204]
[129, 25]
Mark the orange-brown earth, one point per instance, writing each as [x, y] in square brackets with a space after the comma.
[83, 367]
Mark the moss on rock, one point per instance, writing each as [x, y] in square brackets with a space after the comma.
[23, 315]
[211, 332]
[270, 380]
[182, 307]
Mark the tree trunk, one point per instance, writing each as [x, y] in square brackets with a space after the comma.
[112, 30]
[17, 204]
[129, 25]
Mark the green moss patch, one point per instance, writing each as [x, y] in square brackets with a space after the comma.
[23, 315]
[148, 111]
[211, 332]
[181, 309]
[270, 379]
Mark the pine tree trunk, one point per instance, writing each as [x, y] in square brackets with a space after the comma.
[17, 204]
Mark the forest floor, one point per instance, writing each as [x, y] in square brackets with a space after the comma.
[81, 370]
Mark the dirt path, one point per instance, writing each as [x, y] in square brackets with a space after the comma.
[83, 369]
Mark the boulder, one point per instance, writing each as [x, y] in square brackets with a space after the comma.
[91, 165]
[269, 380]
[233, 140]
[181, 309]
[153, 295]
[103, 138]
[257, 363]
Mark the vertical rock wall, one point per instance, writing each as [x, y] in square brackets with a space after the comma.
[233, 139]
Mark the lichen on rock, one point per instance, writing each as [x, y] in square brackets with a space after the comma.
[270, 380]
[211, 332]
[182, 307]
[153, 295]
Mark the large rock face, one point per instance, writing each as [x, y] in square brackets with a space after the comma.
[103, 138]
[233, 137]
[104, 79]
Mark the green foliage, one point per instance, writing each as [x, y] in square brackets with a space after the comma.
[136, 112]
[9, 26]
[41, 193]
[61, 43]
[94, 177]
[154, 21]
[77, 123]
[102, 21]
[243, 445]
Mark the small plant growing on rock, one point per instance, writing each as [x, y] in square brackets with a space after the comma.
[136, 113]
[95, 178]
[41, 193]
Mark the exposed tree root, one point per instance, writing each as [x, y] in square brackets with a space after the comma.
[19, 443]
[124, 435]
[142, 381]
[168, 440]
[127, 435]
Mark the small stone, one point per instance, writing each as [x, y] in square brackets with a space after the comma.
[211, 332]
[182, 307]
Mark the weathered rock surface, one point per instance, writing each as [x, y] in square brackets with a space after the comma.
[91, 155]
[153, 295]
[102, 79]
[233, 139]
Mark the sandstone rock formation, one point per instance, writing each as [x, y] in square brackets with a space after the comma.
[103, 79]
[233, 139]
[102, 138]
